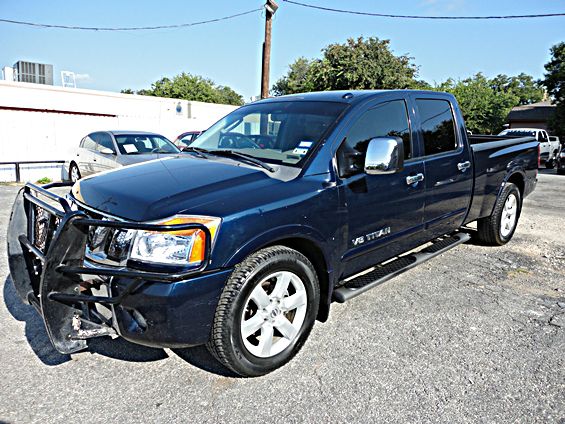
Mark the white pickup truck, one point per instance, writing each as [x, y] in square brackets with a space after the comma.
[549, 147]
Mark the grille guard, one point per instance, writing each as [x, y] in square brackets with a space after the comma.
[50, 279]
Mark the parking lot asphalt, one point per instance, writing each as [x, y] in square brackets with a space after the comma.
[474, 335]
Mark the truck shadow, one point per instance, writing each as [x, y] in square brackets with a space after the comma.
[119, 349]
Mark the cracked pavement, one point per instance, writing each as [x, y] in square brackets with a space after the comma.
[474, 335]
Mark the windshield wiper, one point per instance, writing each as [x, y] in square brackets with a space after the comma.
[229, 153]
[200, 152]
[249, 158]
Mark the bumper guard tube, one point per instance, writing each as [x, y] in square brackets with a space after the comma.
[154, 308]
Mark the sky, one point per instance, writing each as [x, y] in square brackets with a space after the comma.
[229, 52]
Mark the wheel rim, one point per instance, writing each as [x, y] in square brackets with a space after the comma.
[274, 314]
[509, 215]
[74, 174]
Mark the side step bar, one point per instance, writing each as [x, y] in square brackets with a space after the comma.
[383, 273]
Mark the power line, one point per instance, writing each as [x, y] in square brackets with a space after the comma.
[386, 15]
[146, 28]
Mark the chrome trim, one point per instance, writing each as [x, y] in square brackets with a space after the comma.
[385, 155]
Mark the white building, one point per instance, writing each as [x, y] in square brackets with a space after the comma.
[41, 122]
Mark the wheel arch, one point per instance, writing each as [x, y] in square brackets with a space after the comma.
[310, 244]
[316, 256]
[519, 180]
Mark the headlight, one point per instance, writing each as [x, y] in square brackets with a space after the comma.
[562, 155]
[184, 247]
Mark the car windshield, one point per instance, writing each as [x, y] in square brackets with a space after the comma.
[275, 132]
[519, 133]
[136, 144]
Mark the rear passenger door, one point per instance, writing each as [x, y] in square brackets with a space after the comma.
[85, 155]
[447, 163]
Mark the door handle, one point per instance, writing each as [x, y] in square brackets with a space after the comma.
[413, 179]
[463, 166]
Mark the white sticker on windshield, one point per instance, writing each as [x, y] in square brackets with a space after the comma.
[306, 144]
[299, 151]
[130, 148]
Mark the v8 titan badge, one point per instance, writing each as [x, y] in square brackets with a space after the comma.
[371, 236]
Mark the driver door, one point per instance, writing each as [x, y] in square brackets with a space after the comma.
[385, 212]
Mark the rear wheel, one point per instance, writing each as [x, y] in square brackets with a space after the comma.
[266, 311]
[499, 227]
[74, 173]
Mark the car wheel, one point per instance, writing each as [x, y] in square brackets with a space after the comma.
[499, 227]
[265, 312]
[74, 173]
[549, 164]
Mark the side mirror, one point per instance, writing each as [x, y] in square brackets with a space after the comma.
[106, 151]
[385, 155]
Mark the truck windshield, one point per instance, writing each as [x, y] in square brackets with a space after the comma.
[276, 132]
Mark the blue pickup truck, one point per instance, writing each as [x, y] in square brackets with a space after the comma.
[281, 208]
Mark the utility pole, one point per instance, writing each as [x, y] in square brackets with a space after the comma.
[270, 8]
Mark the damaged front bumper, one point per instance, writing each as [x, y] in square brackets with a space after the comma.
[80, 299]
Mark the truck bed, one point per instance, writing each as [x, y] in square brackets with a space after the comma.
[495, 157]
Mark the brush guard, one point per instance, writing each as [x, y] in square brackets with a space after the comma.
[46, 254]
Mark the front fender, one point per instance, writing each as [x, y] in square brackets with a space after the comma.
[274, 235]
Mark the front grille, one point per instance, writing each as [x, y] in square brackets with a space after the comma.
[44, 226]
[108, 245]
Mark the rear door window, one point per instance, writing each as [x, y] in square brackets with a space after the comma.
[88, 142]
[437, 125]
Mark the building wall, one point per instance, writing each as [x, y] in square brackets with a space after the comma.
[528, 124]
[39, 122]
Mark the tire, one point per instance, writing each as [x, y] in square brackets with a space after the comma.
[74, 173]
[550, 163]
[249, 302]
[498, 228]
[561, 171]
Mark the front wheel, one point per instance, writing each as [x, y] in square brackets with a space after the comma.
[265, 312]
[550, 163]
[74, 173]
[499, 227]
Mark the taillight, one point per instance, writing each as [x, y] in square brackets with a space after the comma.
[539, 156]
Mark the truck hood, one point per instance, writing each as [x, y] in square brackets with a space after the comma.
[162, 188]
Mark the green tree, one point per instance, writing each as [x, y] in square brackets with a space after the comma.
[554, 81]
[484, 108]
[523, 85]
[357, 64]
[296, 80]
[191, 87]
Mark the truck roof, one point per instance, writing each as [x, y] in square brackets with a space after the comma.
[341, 96]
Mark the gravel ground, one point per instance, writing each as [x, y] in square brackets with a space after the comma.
[475, 335]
